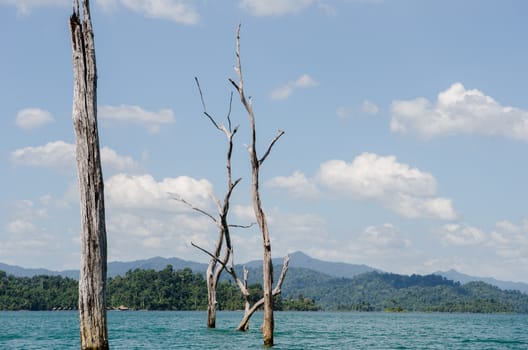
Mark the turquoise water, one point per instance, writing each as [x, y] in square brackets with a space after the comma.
[293, 330]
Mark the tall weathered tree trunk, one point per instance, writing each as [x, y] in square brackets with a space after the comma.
[267, 267]
[211, 297]
[92, 280]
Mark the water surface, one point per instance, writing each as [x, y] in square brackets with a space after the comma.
[293, 330]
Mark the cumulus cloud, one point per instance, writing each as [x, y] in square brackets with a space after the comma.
[297, 184]
[60, 155]
[31, 118]
[370, 175]
[275, 7]
[137, 115]
[24, 7]
[57, 154]
[283, 92]
[179, 11]
[144, 192]
[458, 110]
[407, 191]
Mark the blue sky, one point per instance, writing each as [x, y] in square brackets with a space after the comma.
[406, 130]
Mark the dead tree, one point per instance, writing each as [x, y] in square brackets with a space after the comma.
[249, 309]
[219, 257]
[267, 266]
[217, 263]
[92, 280]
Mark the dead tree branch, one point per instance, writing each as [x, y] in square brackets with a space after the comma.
[244, 324]
[267, 266]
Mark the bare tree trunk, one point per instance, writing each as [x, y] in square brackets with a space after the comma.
[218, 263]
[267, 265]
[248, 312]
[92, 280]
[211, 296]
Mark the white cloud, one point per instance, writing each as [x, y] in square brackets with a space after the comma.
[135, 234]
[179, 11]
[20, 227]
[297, 184]
[108, 5]
[24, 7]
[30, 118]
[408, 191]
[26, 232]
[384, 237]
[462, 235]
[243, 213]
[144, 192]
[510, 240]
[370, 175]
[457, 111]
[283, 92]
[111, 159]
[135, 114]
[415, 207]
[60, 155]
[275, 7]
[27, 210]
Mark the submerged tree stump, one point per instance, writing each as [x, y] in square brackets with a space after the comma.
[92, 280]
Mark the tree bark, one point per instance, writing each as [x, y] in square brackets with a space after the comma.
[267, 265]
[211, 296]
[217, 263]
[248, 312]
[92, 280]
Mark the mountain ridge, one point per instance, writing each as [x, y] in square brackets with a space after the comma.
[297, 260]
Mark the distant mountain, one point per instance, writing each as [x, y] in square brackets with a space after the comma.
[463, 278]
[334, 269]
[116, 268]
[322, 270]
[25, 272]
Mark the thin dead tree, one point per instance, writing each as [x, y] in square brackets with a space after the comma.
[219, 257]
[217, 264]
[92, 280]
[249, 309]
[256, 162]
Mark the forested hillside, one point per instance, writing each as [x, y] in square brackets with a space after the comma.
[139, 289]
[303, 289]
[375, 291]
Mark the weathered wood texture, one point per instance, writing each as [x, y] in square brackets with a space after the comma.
[221, 255]
[92, 280]
[249, 311]
[267, 265]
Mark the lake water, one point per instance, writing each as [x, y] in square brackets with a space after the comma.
[293, 330]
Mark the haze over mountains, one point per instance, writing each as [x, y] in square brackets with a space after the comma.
[297, 260]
